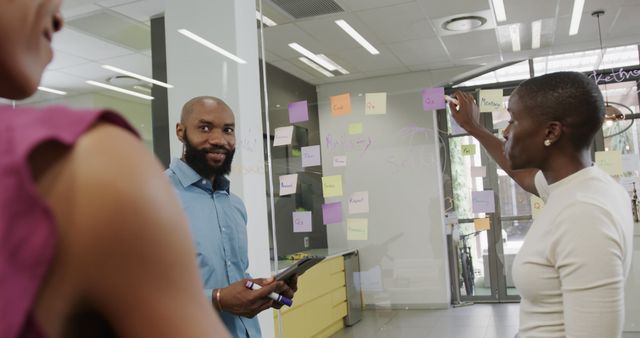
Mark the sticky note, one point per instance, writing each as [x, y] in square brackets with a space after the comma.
[310, 156]
[288, 184]
[357, 229]
[482, 201]
[479, 171]
[481, 224]
[375, 103]
[332, 213]
[341, 104]
[433, 98]
[298, 111]
[332, 186]
[355, 128]
[490, 100]
[610, 162]
[536, 205]
[630, 162]
[468, 149]
[359, 202]
[302, 221]
[283, 136]
[340, 161]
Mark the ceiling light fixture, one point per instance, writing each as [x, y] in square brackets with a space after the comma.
[464, 23]
[295, 46]
[210, 45]
[53, 91]
[315, 66]
[536, 32]
[143, 88]
[338, 67]
[576, 16]
[356, 36]
[137, 76]
[498, 9]
[514, 31]
[120, 90]
[265, 20]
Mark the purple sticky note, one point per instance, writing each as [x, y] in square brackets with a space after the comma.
[433, 98]
[298, 111]
[332, 213]
[302, 221]
[310, 156]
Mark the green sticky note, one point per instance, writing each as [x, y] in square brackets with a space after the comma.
[332, 186]
[468, 149]
[357, 229]
[490, 100]
[355, 128]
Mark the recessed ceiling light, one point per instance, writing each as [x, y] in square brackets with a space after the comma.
[356, 36]
[120, 90]
[137, 76]
[514, 31]
[210, 45]
[315, 66]
[464, 23]
[498, 8]
[298, 48]
[53, 91]
[338, 67]
[536, 31]
[576, 16]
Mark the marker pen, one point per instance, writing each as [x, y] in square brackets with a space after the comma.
[278, 298]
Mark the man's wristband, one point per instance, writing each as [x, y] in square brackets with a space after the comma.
[216, 300]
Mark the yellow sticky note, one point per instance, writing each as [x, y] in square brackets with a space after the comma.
[610, 162]
[357, 229]
[375, 103]
[341, 104]
[332, 186]
[355, 128]
[536, 206]
[468, 149]
[490, 100]
[482, 224]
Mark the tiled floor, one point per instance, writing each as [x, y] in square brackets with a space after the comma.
[475, 321]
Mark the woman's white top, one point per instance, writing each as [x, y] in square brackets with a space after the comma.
[574, 260]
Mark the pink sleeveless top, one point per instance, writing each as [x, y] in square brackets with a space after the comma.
[27, 228]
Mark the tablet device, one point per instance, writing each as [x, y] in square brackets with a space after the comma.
[298, 267]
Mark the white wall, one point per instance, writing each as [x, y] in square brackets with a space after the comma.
[396, 159]
[195, 70]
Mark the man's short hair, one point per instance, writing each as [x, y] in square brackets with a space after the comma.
[570, 98]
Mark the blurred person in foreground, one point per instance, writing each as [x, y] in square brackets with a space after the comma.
[93, 242]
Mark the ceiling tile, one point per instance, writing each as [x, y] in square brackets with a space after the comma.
[61, 81]
[421, 51]
[358, 5]
[82, 45]
[397, 23]
[325, 31]
[439, 8]
[64, 60]
[431, 66]
[626, 22]
[137, 63]
[290, 67]
[71, 9]
[278, 38]
[471, 44]
[88, 71]
[365, 62]
[142, 10]
[529, 11]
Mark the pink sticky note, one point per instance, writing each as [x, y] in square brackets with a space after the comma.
[433, 98]
[332, 213]
[298, 111]
[310, 156]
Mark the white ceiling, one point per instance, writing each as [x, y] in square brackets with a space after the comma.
[406, 33]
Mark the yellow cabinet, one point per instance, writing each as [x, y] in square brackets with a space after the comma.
[320, 304]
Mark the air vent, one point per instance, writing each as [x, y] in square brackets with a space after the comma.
[308, 8]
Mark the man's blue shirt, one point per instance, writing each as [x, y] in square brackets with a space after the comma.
[218, 221]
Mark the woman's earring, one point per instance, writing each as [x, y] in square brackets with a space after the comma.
[547, 142]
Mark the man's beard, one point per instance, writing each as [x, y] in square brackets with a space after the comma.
[197, 159]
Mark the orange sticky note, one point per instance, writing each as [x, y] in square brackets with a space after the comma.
[481, 224]
[341, 104]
